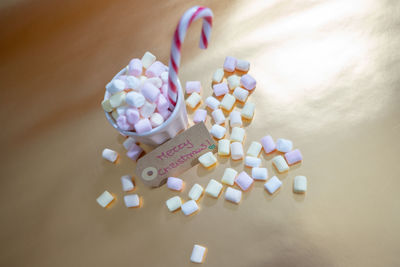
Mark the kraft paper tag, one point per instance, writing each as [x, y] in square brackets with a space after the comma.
[175, 156]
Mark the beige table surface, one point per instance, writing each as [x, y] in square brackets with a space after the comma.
[328, 77]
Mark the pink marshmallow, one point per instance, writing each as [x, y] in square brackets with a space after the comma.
[135, 67]
[193, 86]
[200, 116]
[230, 64]
[164, 90]
[134, 152]
[165, 113]
[123, 123]
[150, 92]
[248, 82]
[293, 157]
[268, 144]
[220, 89]
[174, 183]
[143, 126]
[132, 115]
[244, 181]
[162, 103]
[155, 69]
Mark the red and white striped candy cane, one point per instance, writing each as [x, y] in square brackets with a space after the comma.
[190, 15]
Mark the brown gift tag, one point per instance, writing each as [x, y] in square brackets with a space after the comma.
[175, 156]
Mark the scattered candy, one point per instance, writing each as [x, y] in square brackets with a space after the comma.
[300, 184]
[110, 155]
[273, 184]
[212, 103]
[233, 81]
[128, 143]
[236, 151]
[268, 144]
[248, 110]
[259, 173]
[240, 94]
[235, 119]
[134, 152]
[214, 188]
[230, 64]
[242, 65]
[218, 116]
[142, 126]
[198, 254]
[193, 100]
[218, 76]
[174, 183]
[248, 82]
[244, 181]
[174, 203]
[280, 164]
[105, 199]
[220, 89]
[135, 99]
[156, 120]
[208, 159]
[293, 157]
[148, 59]
[224, 147]
[218, 131]
[252, 161]
[132, 201]
[127, 184]
[229, 176]
[189, 207]
[284, 145]
[254, 149]
[195, 192]
[233, 195]
[227, 102]
[237, 134]
[200, 116]
[193, 86]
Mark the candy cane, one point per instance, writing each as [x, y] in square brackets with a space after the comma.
[188, 17]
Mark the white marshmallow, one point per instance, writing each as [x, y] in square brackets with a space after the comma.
[132, 82]
[227, 102]
[254, 149]
[214, 188]
[242, 65]
[248, 110]
[118, 99]
[156, 120]
[229, 176]
[218, 116]
[233, 195]
[198, 254]
[284, 145]
[208, 159]
[280, 164]
[218, 131]
[106, 105]
[224, 147]
[155, 81]
[259, 173]
[127, 184]
[114, 114]
[121, 110]
[189, 207]
[164, 77]
[135, 99]
[148, 59]
[174, 203]
[132, 201]
[218, 75]
[233, 81]
[110, 155]
[237, 134]
[142, 79]
[241, 94]
[193, 100]
[300, 184]
[105, 199]
[252, 161]
[236, 151]
[128, 143]
[148, 109]
[212, 103]
[195, 192]
[273, 184]
[115, 86]
[235, 119]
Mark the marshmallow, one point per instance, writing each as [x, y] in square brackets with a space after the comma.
[242, 65]
[114, 114]
[300, 184]
[254, 149]
[237, 134]
[208, 159]
[132, 201]
[229, 176]
[198, 254]
[135, 99]
[200, 116]
[115, 86]
[252, 161]
[212, 102]
[150, 92]
[195, 192]
[135, 67]
[121, 110]
[235, 119]
[214, 188]
[241, 94]
[148, 109]
[155, 69]
[220, 89]
[233, 195]
[142, 79]
[284, 145]
[106, 105]
[127, 184]
[233, 81]
[162, 103]
[174, 203]
[164, 90]
[174, 183]
[165, 114]
[105, 199]
[109, 155]
[143, 126]
[132, 83]
[236, 151]
[148, 59]
[244, 181]
[164, 77]
[227, 102]
[268, 144]
[189, 207]
[293, 157]
[218, 131]
[248, 82]
[218, 116]
[280, 164]
[156, 120]
[155, 81]
[123, 124]
[193, 86]
[118, 99]
[128, 143]
[134, 152]
[218, 76]
[248, 110]
[193, 100]
[230, 64]
[224, 147]
[273, 184]
[259, 173]
[132, 115]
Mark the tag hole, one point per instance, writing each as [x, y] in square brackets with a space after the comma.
[150, 173]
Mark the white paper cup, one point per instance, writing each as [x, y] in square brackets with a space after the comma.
[175, 123]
